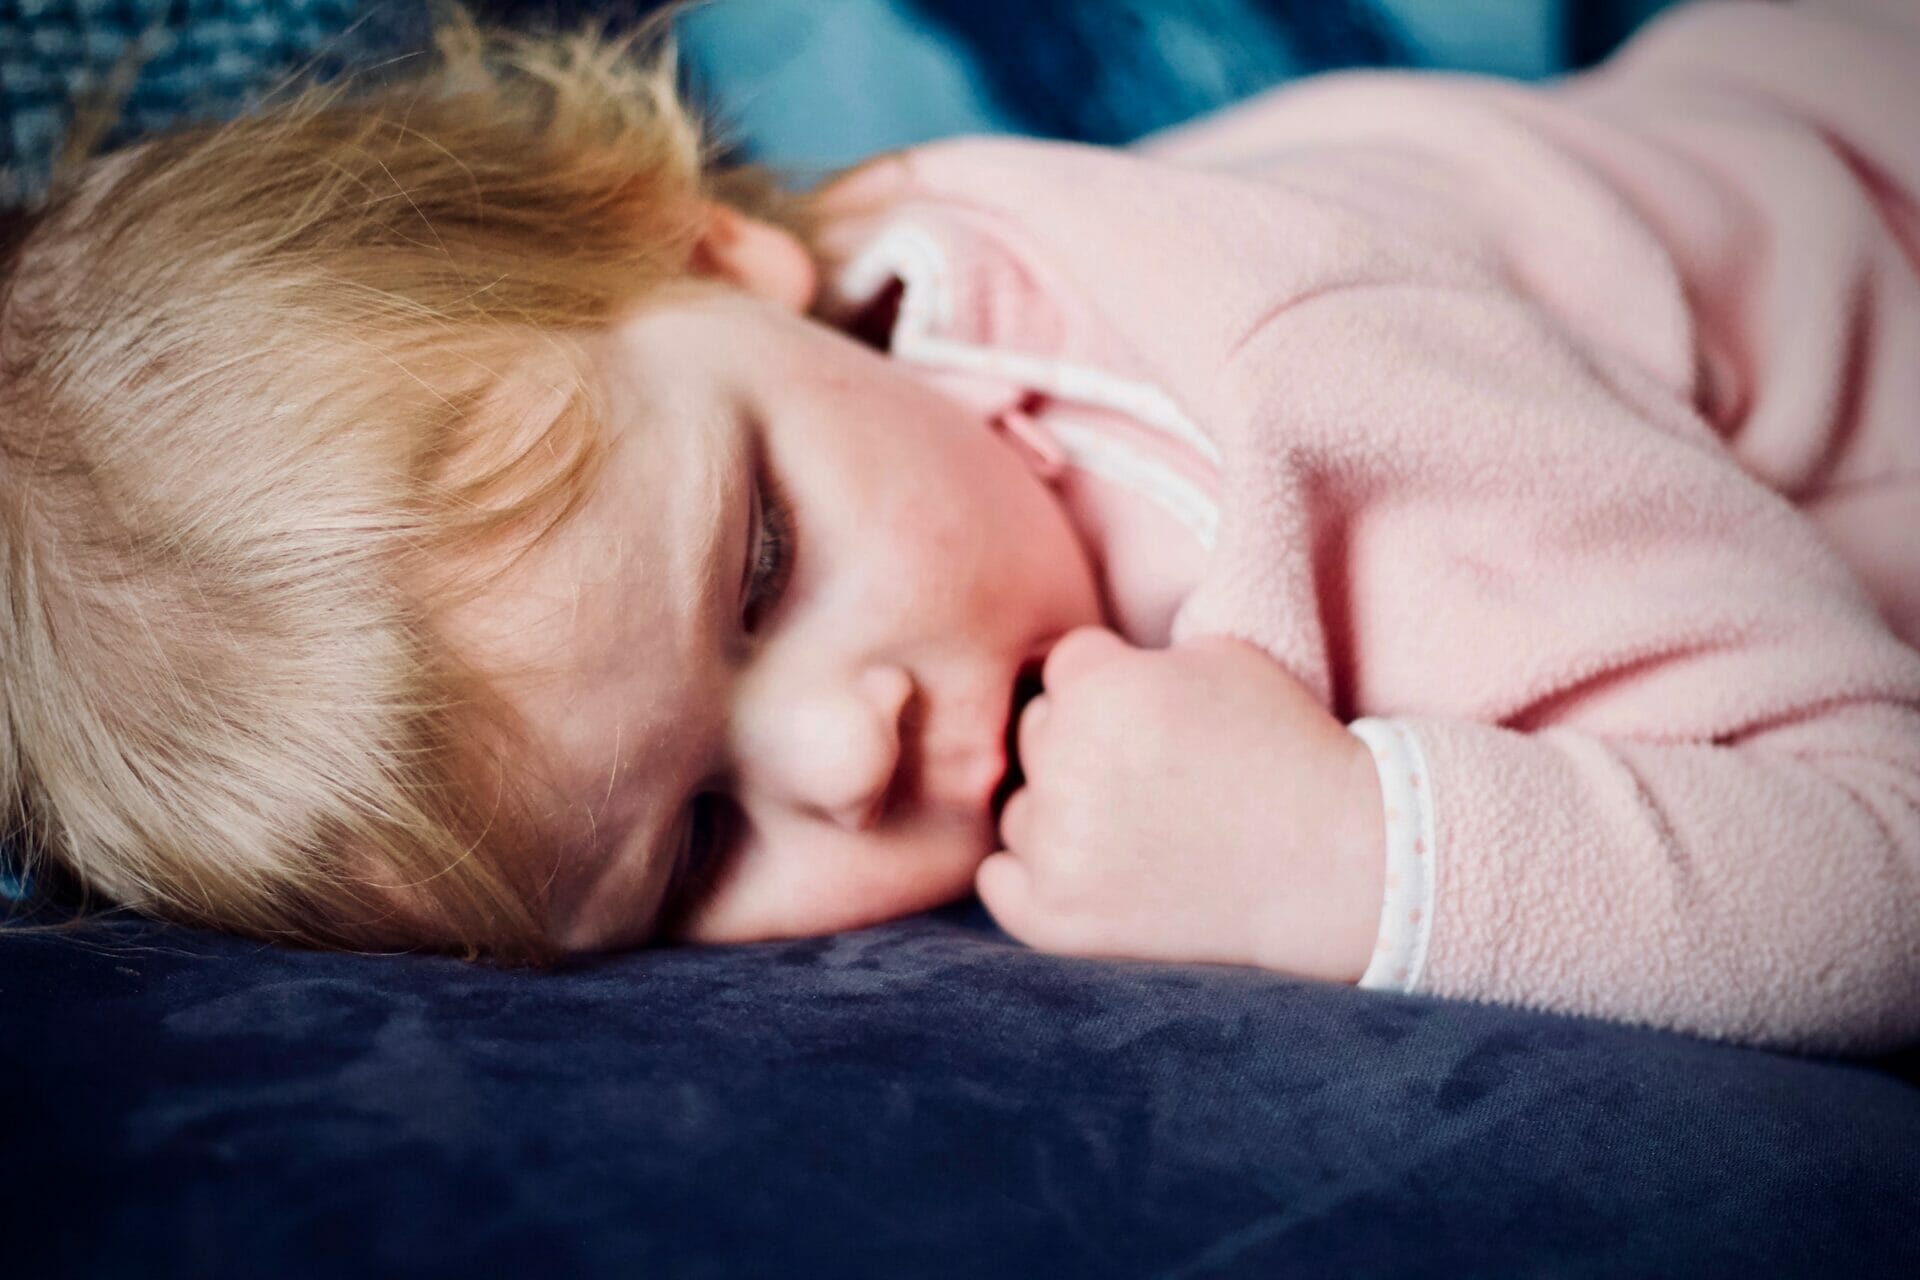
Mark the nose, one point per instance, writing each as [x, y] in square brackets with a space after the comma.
[828, 747]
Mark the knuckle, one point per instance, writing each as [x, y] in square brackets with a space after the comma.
[1147, 691]
[1078, 832]
[1068, 656]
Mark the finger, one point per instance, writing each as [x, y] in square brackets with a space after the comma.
[1027, 736]
[1078, 652]
[1001, 882]
[1016, 819]
[1005, 886]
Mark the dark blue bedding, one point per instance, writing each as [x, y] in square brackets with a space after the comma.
[921, 1099]
[925, 1098]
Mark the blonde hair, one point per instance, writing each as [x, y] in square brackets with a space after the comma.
[260, 379]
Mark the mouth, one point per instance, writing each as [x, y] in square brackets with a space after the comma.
[1026, 687]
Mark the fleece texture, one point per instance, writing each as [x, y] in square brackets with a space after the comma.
[1573, 429]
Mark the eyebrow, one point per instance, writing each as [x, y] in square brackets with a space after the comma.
[699, 564]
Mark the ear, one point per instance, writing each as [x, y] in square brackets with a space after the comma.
[765, 260]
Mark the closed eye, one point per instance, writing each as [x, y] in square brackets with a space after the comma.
[770, 559]
[765, 574]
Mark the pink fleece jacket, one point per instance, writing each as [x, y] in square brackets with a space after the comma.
[1567, 440]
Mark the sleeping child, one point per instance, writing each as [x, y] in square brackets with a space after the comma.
[1423, 532]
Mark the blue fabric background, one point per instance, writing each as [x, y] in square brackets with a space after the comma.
[926, 1098]
[817, 82]
[921, 1099]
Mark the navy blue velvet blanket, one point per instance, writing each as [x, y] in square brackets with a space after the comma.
[926, 1098]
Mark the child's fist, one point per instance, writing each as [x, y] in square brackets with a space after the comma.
[1191, 804]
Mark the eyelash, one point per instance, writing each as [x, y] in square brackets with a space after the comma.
[772, 553]
[767, 579]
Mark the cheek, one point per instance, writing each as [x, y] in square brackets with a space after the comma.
[969, 499]
[924, 538]
[948, 575]
[860, 901]
[803, 887]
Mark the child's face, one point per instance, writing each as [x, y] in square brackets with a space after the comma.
[836, 742]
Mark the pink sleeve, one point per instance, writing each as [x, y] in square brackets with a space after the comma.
[1752, 874]
[1512, 471]
[1673, 753]
[1764, 890]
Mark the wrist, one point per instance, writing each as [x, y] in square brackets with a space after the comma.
[1360, 871]
[1323, 918]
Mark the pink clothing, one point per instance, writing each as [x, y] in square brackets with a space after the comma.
[1569, 438]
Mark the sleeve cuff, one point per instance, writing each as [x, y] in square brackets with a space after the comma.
[1406, 910]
